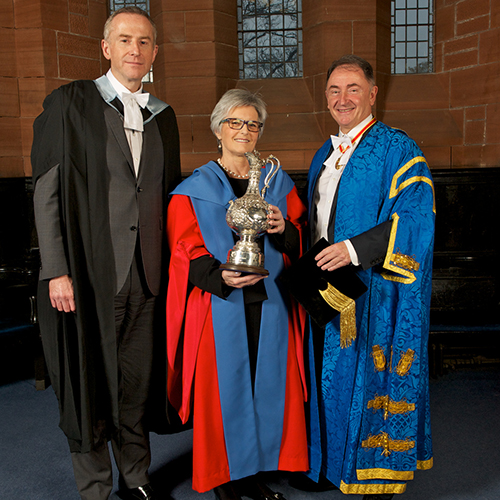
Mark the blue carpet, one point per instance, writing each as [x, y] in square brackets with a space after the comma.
[35, 462]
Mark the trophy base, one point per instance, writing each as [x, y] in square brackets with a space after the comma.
[242, 268]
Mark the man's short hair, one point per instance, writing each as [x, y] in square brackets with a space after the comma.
[128, 10]
[352, 60]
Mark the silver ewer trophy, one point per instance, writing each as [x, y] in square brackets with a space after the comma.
[247, 217]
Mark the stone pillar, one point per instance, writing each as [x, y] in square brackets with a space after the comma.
[196, 64]
[333, 28]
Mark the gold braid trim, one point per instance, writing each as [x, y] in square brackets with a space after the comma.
[347, 309]
[405, 261]
[372, 489]
[425, 464]
[405, 276]
[378, 358]
[405, 362]
[387, 444]
[397, 189]
[390, 406]
[394, 475]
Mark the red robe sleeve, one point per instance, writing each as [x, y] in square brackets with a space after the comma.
[297, 215]
[183, 330]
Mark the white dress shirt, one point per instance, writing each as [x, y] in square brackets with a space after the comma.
[329, 180]
[133, 121]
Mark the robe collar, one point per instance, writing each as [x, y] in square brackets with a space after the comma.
[108, 93]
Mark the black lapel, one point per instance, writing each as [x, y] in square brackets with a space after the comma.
[115, 123]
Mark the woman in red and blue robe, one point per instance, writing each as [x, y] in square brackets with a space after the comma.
[235, 355]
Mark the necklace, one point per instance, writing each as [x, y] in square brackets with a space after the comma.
[230, 172]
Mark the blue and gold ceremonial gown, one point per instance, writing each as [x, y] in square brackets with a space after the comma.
[370, 418]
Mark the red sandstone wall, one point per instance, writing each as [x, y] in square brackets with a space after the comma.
[453, 113]
[44, 44]
[196, 64]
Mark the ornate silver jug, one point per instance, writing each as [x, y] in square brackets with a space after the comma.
[247, 217]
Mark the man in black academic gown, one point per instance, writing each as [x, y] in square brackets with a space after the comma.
[104, 156]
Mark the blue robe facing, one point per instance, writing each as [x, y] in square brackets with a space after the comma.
[370, 418]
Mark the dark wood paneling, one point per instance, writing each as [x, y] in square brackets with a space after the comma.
[466, 252]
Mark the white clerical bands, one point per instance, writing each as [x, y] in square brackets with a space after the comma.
[132, 116]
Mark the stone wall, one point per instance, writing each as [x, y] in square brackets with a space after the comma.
[44, 44]
[453, 113]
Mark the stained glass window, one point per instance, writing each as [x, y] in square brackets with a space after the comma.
[270, 38]
[412, 36]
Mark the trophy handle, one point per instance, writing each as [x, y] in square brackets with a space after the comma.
[272, 172]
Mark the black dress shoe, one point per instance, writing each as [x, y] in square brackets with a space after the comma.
[257, 490]
[377, 497]
[144, 492]
[227, 491]
[303, 483]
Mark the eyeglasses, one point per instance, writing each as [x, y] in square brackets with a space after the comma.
[237, 124]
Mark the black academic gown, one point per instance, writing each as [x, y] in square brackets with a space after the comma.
[80, 348]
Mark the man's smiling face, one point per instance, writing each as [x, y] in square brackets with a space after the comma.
[350, 96]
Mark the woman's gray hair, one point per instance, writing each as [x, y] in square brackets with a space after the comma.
[235, 98]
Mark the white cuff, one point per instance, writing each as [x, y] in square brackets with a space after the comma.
[352, 253]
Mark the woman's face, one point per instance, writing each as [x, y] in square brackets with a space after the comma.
[239, 142]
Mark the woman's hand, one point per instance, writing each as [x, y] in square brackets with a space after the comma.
[236, 280]
[276, 220]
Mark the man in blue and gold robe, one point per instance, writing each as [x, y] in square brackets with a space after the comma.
[371, 196]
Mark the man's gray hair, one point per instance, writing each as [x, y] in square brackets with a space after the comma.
[234, 99]
[128, 10]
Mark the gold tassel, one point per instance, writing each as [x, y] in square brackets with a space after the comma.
[347, 309]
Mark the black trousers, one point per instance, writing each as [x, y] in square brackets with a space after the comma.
[134, 313]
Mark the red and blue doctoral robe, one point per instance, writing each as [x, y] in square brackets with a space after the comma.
[236, 433]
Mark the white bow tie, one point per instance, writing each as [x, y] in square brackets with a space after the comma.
[132, 118]
[343, 142]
